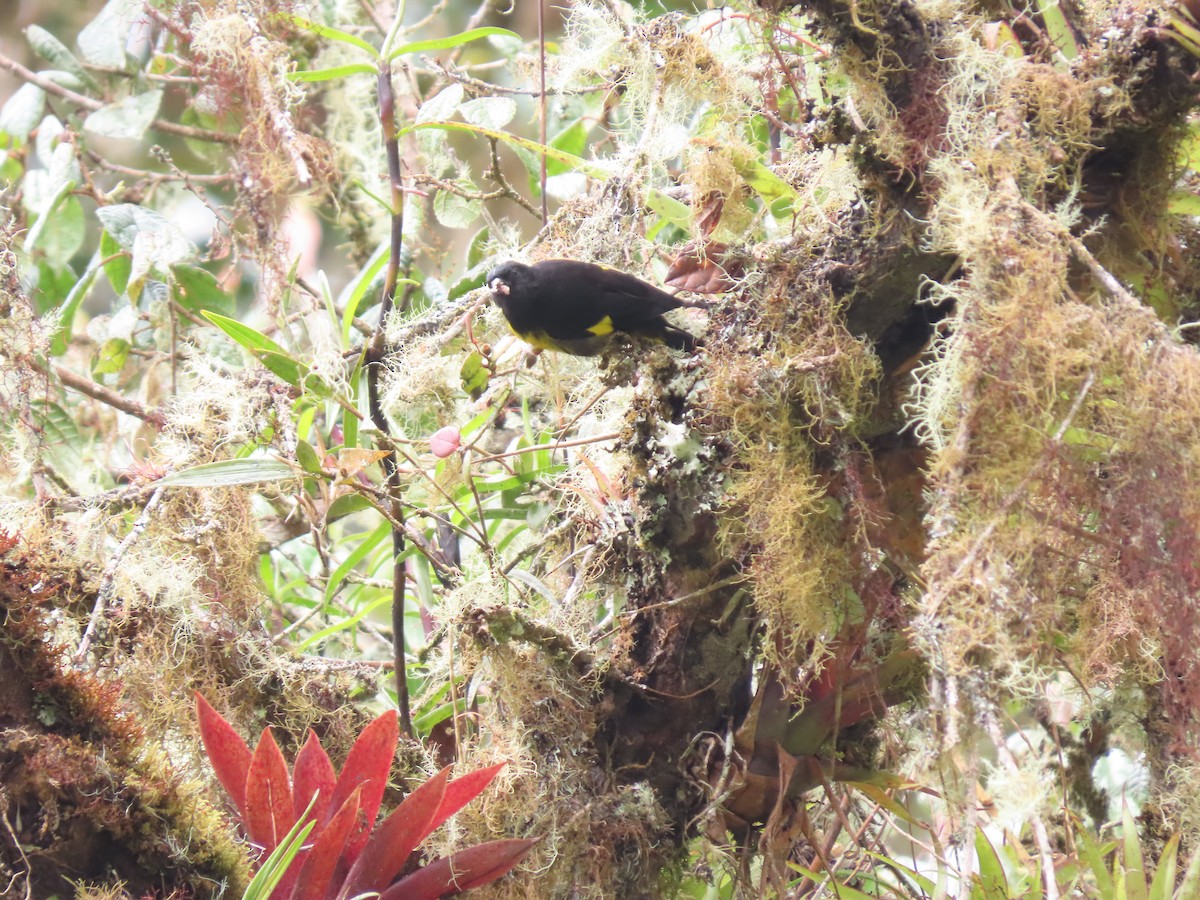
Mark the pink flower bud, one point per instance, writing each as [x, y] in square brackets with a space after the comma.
[445, 441]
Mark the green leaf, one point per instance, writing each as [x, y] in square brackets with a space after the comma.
[441, 106]
[1094, 855]
[573, 140]
[925, 884]
[675, 212]
[454, 40]
[265, 350]
[346, 505]
[229, 472]
[118, 262]
[333, 34]
[1190, 886]
[290, 370]
[1183, 203]
[252, 340]
[571, 161]
[66, 315]
[332, 73]
[21, 115]
[55, 52]
[307, 457]
[991, 870]
[1061, 35]
[276, 865]
[198, 289]
[65, 233]
[1164, 875]
[845, 892]
[125, 120]
[351, 297]
[372, 540]
[474, 375]
[343, 624]
[156, 243]
[475, 255]
[1133, 864]
[102, 41]
[764, 182]
[489, 112]
[111, 357]
[350, 421]
[455, 211]
[54, 284]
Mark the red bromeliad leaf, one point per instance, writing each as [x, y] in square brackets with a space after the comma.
[368, 765]
[313, 774]
[475, 866]
[396, 838]
[317, 871]
[269, 809]
[228, 753]
[462, 791]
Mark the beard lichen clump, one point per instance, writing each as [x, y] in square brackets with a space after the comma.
[788, 407]
[1064, 488]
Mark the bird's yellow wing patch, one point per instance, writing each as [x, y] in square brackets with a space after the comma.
[603, 327]
[539, 340]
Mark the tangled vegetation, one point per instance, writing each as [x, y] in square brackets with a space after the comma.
[892, 587]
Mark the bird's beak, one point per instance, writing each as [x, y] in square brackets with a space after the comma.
[498, 287]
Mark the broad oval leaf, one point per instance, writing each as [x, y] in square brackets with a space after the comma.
[490, 112]
[21, 115]
[102, 41]
[55, 52]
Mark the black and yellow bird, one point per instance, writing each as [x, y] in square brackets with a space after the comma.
[575, 307]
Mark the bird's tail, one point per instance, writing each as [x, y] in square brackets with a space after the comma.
[676, 338]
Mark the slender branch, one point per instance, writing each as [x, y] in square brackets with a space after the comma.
[70, 379]
[109, 576]
[541, 20]
[376, 352]
[52, 87]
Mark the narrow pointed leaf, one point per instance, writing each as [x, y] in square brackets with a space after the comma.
[454, 40]
[368, 765]
[228, 753]
[313, 775]
[289, 856]
[462, 791]
[318, 868]
[396, 838]
[269, 810]
[475, 866]
[276, 874]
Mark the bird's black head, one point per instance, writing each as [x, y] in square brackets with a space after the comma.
[508, 276]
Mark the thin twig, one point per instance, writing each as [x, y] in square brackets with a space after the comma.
[109, 576]
[52, 87]
[376, 353]
[155, 417]
[541, 21]
[1040, 835]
